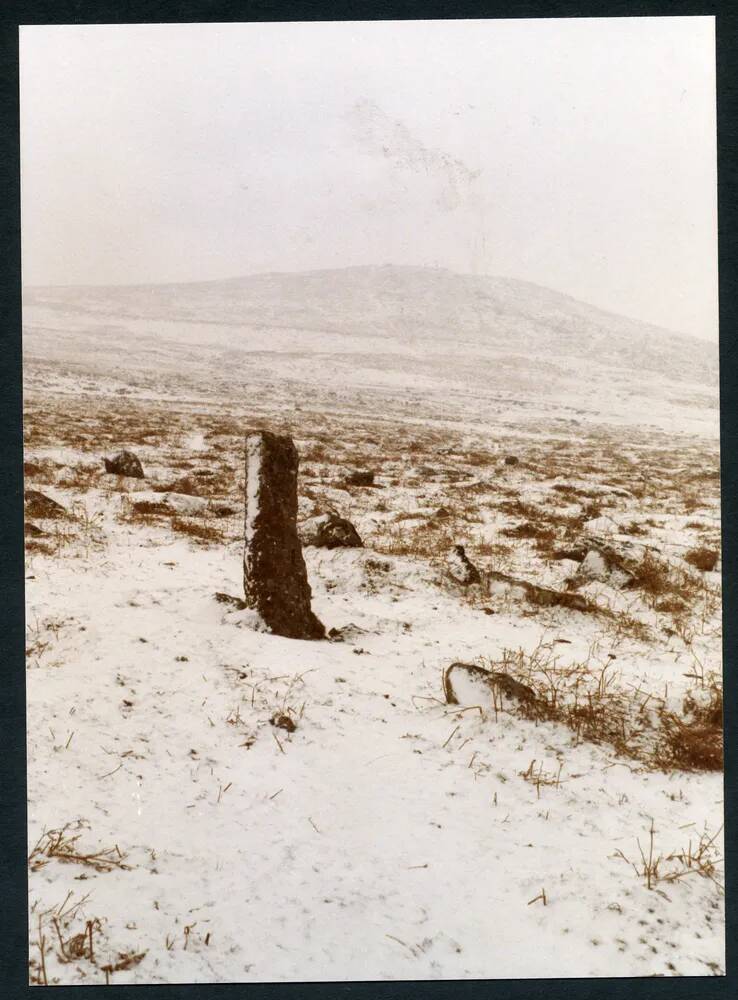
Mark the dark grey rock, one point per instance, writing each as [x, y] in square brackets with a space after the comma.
[125, 463]
[329, 531]
[274, 573]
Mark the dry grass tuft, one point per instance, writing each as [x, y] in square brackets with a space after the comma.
[587, 698]
[702, 558]
[61, 845]
[200, 531]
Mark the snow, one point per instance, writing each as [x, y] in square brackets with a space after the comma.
[385, 838]
[254, 445]
[390, 835]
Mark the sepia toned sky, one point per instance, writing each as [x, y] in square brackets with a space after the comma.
[578, 154]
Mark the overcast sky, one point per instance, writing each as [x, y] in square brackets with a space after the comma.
[579, 154]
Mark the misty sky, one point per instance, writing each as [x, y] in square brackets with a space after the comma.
[579, 154]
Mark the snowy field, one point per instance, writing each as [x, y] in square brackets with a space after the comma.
[177, 835]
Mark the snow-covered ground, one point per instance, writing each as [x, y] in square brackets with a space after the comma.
[391, 835]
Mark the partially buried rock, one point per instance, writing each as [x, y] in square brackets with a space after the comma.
[39, 505]
[329, 531]
[606, 564]
[511, 460]
[274, 574]
[461, 568]
[360, 478]
[521, 693]
[125, 463]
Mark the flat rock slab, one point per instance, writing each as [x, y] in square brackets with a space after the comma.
[542, 597]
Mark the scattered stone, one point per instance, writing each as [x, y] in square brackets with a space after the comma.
[275, 577]
[442, 513]
[493, 679]
[282, 721]
[360, 478]
[125, 463]
[156, 502]
[542, 597]
[234, 602]
[222, 510]
[574, 554]
[329, 531]
[39, 505]
[461, 568]
[511, 460]
[607, 564]
[346, 633]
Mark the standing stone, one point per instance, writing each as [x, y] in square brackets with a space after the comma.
[274, 574]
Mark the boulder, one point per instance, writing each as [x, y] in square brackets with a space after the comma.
[511, 460]
[461, 568]
[329, 531]
[125, 463]
[274, 573]
[39, 505]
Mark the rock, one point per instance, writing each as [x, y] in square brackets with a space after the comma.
[153, 502]
[607, 564]
[461, 568]
[490, 679]
[442, 513]
[511, 460]
[125, 463]
[33, 530]
[39, 505]
[346, 633]
[542, 597]
[576, 554]
[360, 479]
[274, 574]
[233, 602]
[329, 531]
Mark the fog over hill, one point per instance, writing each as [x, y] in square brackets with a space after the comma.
[380, 327]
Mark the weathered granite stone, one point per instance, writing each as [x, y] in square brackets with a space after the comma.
[329, 531]
[125, 463]
[274, 574]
